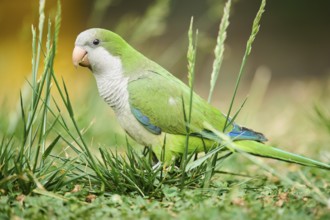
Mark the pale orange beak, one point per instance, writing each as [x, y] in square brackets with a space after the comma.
[79, 57]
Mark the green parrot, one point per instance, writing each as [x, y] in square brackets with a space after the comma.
[150, 103]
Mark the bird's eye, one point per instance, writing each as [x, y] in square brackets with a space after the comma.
[96, 42]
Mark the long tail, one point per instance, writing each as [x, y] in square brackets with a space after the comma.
[263, 150]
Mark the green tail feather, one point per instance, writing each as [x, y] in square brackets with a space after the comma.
[264, 150]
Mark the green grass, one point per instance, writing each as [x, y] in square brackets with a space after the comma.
[253, 198]
[48, 168]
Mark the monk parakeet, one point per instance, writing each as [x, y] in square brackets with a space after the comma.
[150, 103]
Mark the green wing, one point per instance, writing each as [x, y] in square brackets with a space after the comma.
[157, 101]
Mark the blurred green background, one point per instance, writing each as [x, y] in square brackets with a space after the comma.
[290, 55]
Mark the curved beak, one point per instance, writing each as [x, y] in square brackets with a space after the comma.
[79, 57]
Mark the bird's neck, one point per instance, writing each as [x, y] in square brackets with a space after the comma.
[112, 84]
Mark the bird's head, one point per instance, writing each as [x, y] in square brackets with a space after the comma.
[97, 49]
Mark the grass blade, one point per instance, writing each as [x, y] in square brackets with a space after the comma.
[50, 147]
[220, 48]
[191, 57]
[255, 30]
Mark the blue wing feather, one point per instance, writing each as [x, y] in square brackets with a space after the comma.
[242, 133]
[145, 121]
